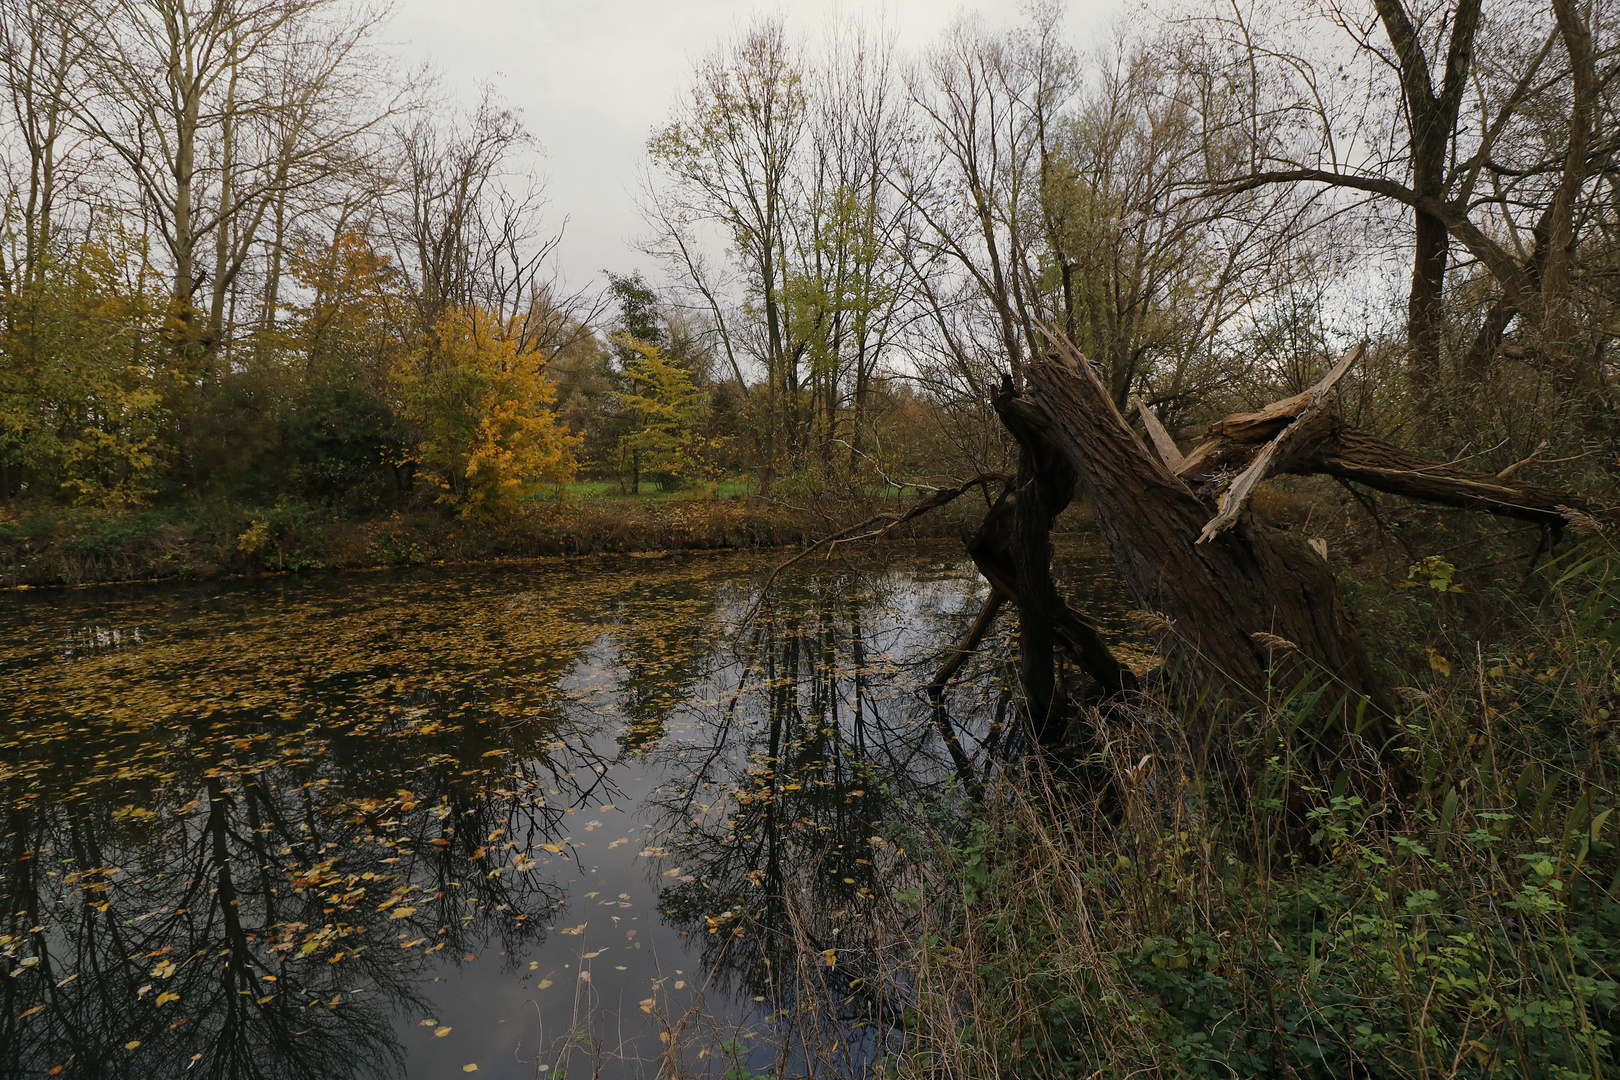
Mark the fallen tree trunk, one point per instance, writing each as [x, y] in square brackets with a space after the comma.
[1013, 550]
[1232, 603]
[1351, 454]
[1305, 435]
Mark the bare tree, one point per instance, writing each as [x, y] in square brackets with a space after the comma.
[727, 159]
[218, 111]
[42, 64]
[466, 224]
[1494, 148]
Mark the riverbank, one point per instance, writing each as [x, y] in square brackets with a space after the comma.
[46, 546]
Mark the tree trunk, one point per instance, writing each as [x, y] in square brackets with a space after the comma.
[1424, 314]
[1251, 607]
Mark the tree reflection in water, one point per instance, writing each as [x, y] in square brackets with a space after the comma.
[244, 827]
[243, 862]
[781, 819]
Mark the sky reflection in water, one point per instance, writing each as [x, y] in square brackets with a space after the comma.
[403, 823]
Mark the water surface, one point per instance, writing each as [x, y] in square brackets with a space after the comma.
[527, 818]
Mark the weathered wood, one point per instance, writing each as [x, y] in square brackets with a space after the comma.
[1246, 580]
[1304, 434]
[1302, 437]
[1200, 456]
[1259, 426]
[1359, 456]
[1013, 550]
[1169, 452]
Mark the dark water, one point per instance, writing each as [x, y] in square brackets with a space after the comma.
[535, 819]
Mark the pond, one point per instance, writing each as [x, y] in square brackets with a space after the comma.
[578, 817]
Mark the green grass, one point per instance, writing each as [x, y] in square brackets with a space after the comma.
[610, 489]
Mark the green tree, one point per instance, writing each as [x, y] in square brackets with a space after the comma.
[663, 413]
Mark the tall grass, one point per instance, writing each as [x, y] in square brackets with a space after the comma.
[1462, 923]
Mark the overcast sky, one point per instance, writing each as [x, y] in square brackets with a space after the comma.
[593, 78]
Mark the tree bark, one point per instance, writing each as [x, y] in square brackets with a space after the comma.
[1247, 581]
[1013, 550]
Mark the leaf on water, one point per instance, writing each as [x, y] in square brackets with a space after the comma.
[132, 1044]
[469, 1068]
[593, 955]
[30, 1012]
[544, 983]
[576, 930]
[440, 1033]
[402, 913]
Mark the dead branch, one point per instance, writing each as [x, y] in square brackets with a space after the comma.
[1305, 435]
[934, 501]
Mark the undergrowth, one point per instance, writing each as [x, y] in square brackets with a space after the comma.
[1460, 921]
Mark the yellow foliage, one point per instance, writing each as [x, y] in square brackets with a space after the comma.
[355, 317]
[85, 372]
[484, 411]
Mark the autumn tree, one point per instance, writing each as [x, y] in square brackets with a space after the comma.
[482, 409]
[214, 111]
[87, 374]
[662, 412]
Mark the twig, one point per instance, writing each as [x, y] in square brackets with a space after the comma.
[933, 501]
